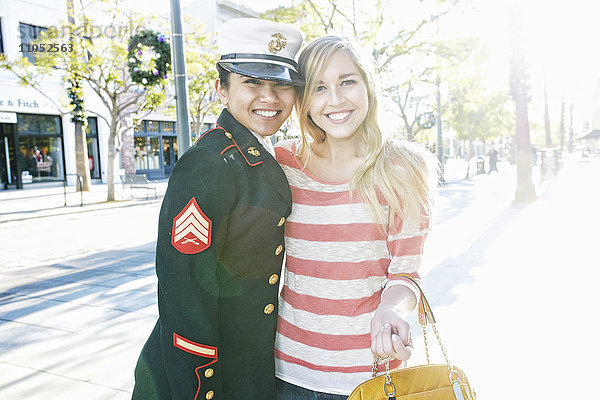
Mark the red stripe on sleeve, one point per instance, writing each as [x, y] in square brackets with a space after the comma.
[322, 340]
[337, 270]
[353, 369]
[322, 306]
[411, 246]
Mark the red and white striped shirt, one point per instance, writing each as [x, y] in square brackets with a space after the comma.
[337, 263]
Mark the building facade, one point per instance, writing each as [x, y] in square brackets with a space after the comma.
[37, 138]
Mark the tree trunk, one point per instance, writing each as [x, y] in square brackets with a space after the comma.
[519, 82]
[571, 135]
[112, 154]
[546, 120]
[81, 155]
[562, 126]
[525, 191]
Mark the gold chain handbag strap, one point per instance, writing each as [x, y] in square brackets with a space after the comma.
[425, 315]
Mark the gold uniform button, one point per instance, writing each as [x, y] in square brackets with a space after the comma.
[278, 250]
[210, 394]
[273, 279]
[281, 222]
[269, 308]
[209, 372]
[228, 135]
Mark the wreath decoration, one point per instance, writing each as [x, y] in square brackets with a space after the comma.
[148, 58]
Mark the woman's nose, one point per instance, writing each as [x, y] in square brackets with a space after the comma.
[335, 97]
[268, 94]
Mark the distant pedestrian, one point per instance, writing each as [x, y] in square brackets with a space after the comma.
[493, 160]
[220, 240]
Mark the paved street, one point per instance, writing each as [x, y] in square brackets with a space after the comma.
[513, 288]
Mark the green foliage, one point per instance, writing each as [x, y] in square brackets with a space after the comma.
[478, 114]
[471, 110]
[154, 98]
[376, 25]
[302, 16]
[404, 45]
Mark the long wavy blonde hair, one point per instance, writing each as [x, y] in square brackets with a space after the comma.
[405, 173]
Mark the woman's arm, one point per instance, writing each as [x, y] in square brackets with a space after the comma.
[390, 332]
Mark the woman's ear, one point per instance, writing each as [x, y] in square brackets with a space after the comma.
[221, 92]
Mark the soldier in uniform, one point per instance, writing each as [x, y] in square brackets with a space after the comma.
[220, 236]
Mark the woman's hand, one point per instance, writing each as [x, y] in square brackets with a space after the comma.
[390, 334]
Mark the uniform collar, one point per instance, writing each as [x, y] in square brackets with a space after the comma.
[253, 151]
[245, 140]
[266, 143]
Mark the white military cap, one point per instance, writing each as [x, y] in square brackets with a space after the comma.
[260, 49]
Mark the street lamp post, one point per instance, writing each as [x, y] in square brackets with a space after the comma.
[181, 89]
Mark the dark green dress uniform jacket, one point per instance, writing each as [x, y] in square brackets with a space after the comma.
[218, 259]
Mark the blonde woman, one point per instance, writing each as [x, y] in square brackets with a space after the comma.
[360, 215]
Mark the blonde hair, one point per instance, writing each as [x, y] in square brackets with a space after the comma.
[403, 172]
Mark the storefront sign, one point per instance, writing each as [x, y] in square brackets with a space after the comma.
[27, 100]
[8, 117]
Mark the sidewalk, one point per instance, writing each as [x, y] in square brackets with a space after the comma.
[513, 287]
[51, 199]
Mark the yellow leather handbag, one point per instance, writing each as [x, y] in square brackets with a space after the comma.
[422, 382]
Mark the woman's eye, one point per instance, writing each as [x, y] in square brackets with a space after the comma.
[348, 82]
[319, 88]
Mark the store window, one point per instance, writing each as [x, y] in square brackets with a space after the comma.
[147, 153]
[169, 151]
[141, 154]
[40, 147]
[31, 123]
[155, 144]
[153, 153]
[91, 133]
[152, 126]
[168, 127]
[139, 126]
[29, 34]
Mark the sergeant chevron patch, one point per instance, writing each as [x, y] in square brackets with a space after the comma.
[191, 229]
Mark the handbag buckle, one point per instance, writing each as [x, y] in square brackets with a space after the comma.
[391, 395]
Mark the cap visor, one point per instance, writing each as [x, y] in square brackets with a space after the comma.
[268, 72]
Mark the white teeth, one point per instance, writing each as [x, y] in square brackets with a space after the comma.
[338, 116]
[266, 114]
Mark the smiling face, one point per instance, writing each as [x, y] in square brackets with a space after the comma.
[340, 101]
[261, 106]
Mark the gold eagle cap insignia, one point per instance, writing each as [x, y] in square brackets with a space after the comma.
[278, 43]
[253, 151]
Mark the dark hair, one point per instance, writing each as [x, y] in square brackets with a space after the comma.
[223, 76]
